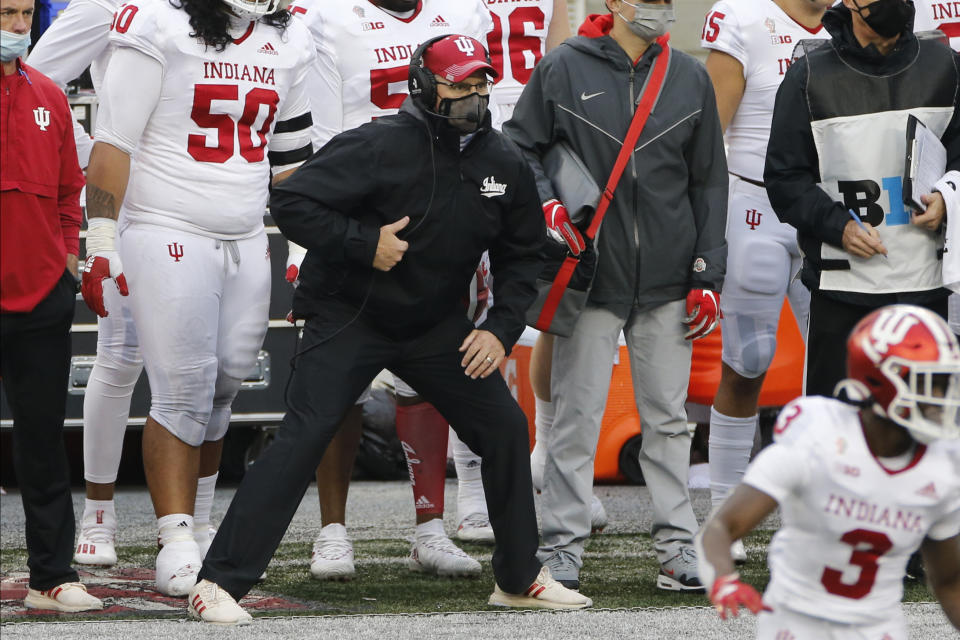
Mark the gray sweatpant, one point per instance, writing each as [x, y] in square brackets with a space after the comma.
[582, 367]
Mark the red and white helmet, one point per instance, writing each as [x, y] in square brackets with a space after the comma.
[253, 9]
[907, 361]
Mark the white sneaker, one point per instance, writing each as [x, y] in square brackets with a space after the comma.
[96, 542]
[69, 597]
[598, 515]
[178, 564]
[738, 552]
[544, 593]
[332, 557]
[207, 602]
[438, 555]
[475, 528]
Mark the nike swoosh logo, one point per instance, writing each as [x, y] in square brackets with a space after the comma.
[587, 96]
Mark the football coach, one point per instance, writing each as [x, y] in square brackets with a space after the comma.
[395, 215]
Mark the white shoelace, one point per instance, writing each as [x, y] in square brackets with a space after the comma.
[332, 548]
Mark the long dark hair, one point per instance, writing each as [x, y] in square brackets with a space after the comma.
[209, 19]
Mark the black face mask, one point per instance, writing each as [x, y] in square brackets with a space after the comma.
[464, 114]
[887, 17]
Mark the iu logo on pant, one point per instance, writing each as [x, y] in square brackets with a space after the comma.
[176, 251]
[753, 219]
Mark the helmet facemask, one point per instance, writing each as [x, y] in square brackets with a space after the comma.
[927, 402]
[254, 9]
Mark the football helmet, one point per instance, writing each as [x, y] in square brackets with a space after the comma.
[905, 361]
[253, 9]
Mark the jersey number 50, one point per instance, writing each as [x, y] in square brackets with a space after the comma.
[203, 97]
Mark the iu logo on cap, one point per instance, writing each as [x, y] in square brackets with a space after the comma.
[466, 45]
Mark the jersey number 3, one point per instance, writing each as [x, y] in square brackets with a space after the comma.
[868, 546]
[227, 130]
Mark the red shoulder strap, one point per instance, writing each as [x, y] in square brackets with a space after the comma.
[644, 107]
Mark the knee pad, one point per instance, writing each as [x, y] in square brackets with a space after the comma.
[182, 399]
[188, 426]
[117, 369]
[749, 343]
[223, 395]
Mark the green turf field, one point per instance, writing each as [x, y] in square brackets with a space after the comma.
[619, 572]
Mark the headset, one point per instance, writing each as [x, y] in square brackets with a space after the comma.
[420, 81]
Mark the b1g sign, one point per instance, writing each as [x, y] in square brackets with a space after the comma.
[875, 203]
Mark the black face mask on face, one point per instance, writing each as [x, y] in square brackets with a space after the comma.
[887, 17]
[464, 114]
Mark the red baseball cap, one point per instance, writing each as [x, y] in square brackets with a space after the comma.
[457, 57]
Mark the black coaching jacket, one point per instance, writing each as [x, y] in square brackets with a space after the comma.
[460, 203]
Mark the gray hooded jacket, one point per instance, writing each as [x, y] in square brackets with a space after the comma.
[663, 234]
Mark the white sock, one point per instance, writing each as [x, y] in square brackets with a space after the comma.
[431, 529]
[731, 440]
[203, 504]
[538, 457]
[470, 496]
[91, 507]
[175, 528]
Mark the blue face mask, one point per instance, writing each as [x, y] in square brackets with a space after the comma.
[13, 45]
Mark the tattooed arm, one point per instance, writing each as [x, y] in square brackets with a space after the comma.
[107, 176]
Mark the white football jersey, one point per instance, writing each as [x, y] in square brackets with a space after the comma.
[201, 164]
[76, 39]
[939, 14]
[363, 55]
[517, 42]
[849, 523]
[761, 36]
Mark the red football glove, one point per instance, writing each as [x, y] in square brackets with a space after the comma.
[703, 313]
[561, 228]
[728, 594]
[295, 255]
[96, 269]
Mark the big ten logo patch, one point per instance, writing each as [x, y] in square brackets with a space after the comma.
[867, 199]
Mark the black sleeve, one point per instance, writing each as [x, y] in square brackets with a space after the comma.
[312, 206]
[531, 126]
[951, 137]
[707, 165]
[515, 261]
[792, 170]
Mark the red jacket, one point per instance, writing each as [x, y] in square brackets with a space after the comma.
[40, 183]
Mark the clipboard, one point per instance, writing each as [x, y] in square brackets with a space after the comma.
[925, 163]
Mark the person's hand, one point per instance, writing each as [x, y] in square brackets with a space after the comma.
[73, 265]
[863, 243]
[295, 255]
[390, 248]
[102, 262]
[932, 217]
[703, 313]
[96, 269]
[560, 228]
[482, 353]
[729, 594]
